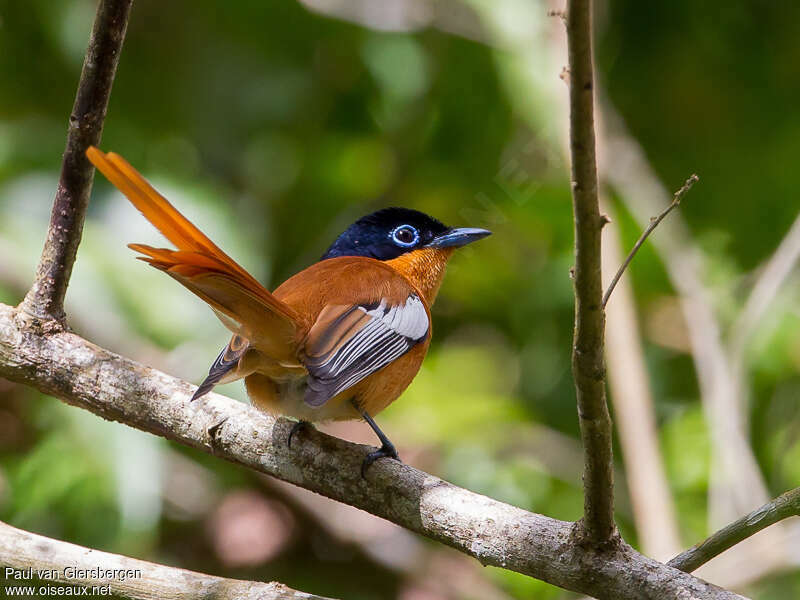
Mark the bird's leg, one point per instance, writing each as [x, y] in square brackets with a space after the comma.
[387, 449]
[297, 427]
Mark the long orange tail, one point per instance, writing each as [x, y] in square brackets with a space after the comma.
[241, 302]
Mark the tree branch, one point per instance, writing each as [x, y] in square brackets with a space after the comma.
[784, 506]
[21, 552]
[587, 356]
[676, 200]
[45, 299]
[116, 388]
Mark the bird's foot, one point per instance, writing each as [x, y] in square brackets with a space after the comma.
[296, 428]
[387, 450]
[213, 431]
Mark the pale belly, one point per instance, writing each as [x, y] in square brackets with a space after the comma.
[280, 390]
[287, 398]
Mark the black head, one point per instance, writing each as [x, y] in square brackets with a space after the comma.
[391, 232]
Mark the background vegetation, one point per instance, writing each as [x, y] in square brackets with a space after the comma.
[273, 126]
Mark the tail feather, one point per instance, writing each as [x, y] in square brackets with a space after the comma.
[157, 209]
[165, 217]
[202, 267]
[178, 261]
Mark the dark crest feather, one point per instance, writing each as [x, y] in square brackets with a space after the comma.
[371, 235]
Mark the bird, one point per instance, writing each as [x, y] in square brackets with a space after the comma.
[341, 339]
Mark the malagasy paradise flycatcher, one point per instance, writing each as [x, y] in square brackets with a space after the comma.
[339, 340]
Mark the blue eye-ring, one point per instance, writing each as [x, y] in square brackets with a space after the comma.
[405, 235]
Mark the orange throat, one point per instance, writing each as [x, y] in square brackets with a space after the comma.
[424, 268]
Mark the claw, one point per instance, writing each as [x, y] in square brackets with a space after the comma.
[299, 426]
[386, 451]
[214, 429]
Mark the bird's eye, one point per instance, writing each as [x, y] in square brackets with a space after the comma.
[405, 236]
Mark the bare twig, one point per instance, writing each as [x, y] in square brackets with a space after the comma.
[676, 200]
[784, 506]
[67, 366]
[632, 399]
[738, 483]
[587, 356]
[22, 553]
[45, 299]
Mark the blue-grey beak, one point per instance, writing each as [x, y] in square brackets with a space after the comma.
[458, 236]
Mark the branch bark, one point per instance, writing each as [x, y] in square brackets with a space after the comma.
[82, 374]
[22, 551]
[587, 356]
[784, 506]
[45, 299]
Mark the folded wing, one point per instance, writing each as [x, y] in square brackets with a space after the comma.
[348, 343]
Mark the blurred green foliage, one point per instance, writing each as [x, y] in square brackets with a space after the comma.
[274, 127]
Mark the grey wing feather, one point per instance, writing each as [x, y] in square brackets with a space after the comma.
[226, 362]
[388, 333]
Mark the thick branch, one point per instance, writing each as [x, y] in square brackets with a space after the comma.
[784, 506]
[22, 552]
[46, 297]
[676, 201]
[587, 355]
[495, 533]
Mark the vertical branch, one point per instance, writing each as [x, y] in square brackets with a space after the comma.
[45, 299]
[587, 356]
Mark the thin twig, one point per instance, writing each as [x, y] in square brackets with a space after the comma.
[587, 357]
[45, 299]
[632, 401]
[676, 200]
[784, 506]
[68, 565]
